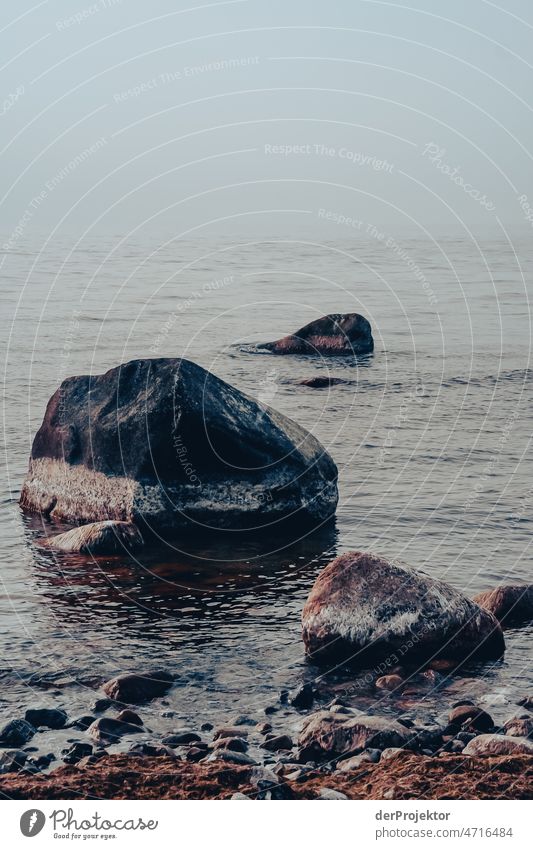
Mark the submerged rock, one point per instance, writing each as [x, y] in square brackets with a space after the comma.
[498, 744]
[329, 734]
[511, 604]
[321, 382]
[166, 445]
[110, 537]
[339, 334]
[135, 688]
[363, 609]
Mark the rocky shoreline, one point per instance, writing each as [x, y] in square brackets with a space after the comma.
[327, 749]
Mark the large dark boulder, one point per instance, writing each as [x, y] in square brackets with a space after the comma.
[363, 610]
[167, 443]
[347, 334]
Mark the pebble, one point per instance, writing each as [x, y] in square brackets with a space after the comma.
[230, 731]
[181, 738]
[241, 797]
[195, 753]
[101, 705]
[328, 794]
[263, 727]
[274, 744]
[147, 749]
[470, 717]
[206, 726]
[368, 756]
[270, 709]
[109, 730]
[391, 752]
[233, 744]
[82, 722]
[243, 720]
[232, 757]
[129, 717]
[389, 682]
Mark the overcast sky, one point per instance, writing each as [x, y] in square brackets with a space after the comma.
[266, 117]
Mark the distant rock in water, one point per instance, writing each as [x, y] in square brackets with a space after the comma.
[108, 537]
[511, 604]
[321, 382]
[363, 609]
[347, 334]
[167, 444]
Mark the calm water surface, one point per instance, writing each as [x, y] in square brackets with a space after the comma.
[431, 437]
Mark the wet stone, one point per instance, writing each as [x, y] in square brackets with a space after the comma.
[76, 752]
[12, 761]
[16, 733]
[46, 717]
[275, 744]
[82, 722]
[101, 705]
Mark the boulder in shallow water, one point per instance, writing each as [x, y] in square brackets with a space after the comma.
[511, 604]
[498, 744]
[110, 537]
[340, 334]
[136, 688]
[326, 734]
[363, 610]
[167, 444]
